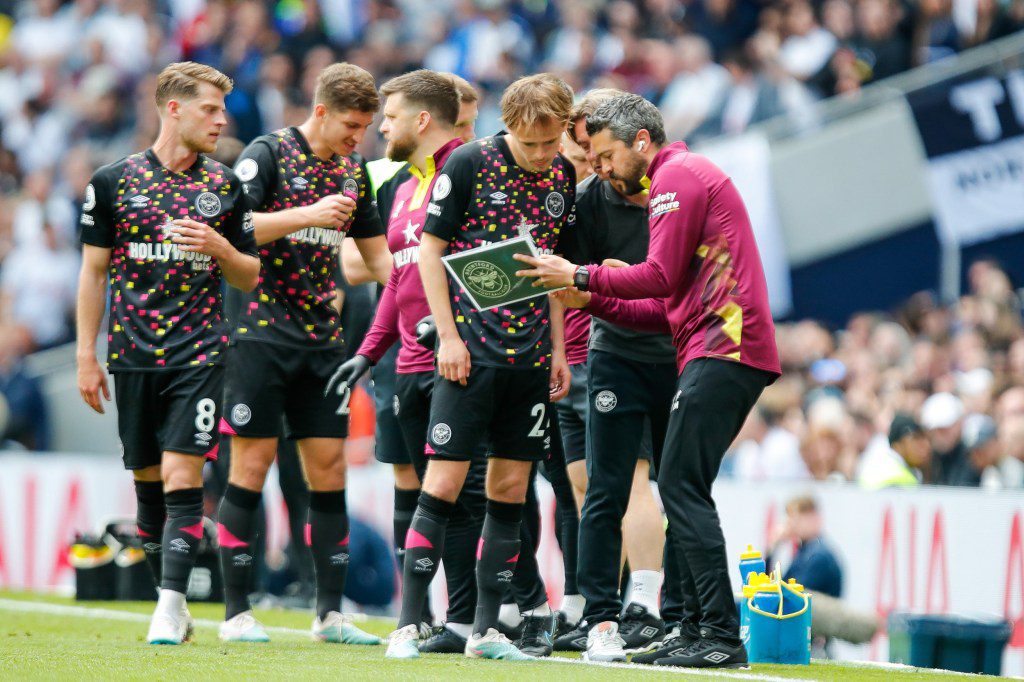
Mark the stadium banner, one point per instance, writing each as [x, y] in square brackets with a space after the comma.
[934, 550]
[972, 129]
[746, 159]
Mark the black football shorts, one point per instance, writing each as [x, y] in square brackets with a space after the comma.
[173, 410]
[265, 381]
[507, 407]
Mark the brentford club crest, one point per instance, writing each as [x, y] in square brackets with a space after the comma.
[208, 204]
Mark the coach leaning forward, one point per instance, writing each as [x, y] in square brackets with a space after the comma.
[703, 281]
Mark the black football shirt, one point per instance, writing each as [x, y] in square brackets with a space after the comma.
[483, 196]
[293, 303]
[165, 304]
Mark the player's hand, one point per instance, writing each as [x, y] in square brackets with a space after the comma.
[332, 211]
[561, 377]
[190, 235]
[614, 263]
[453, 360]
[92, 380]
[572, 297]
[347, 374]
[426, 332]
[551, 271]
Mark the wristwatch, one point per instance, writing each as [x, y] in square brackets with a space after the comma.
[581, 278]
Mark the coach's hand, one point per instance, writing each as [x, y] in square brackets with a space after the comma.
[347, 374]
[572, 297]
[453, 360]
[551, 271]
[561, 377]
[197, 237]
[91, 381]
[332, 211]
[426, 332]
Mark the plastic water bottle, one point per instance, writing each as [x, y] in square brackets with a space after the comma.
[751, 561]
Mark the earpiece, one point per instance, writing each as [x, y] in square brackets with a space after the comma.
[640, 146]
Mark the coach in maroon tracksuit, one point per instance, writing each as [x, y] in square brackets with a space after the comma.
[703, 282]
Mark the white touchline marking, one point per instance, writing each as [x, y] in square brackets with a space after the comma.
[113, 614]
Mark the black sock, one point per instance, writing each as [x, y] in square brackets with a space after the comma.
[150, 516]
[328, 541]
[423, 547]
[182, 533]
[236, 531]
[496, 561]
[527, 588]
[405, 507]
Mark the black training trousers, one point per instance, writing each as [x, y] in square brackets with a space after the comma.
[624, 395]
[712, 400]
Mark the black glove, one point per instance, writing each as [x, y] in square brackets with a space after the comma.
[426, 332]
[347, 374]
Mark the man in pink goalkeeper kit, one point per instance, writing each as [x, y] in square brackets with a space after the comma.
[703, 282]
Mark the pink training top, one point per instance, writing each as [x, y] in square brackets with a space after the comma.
[703, 261]
[404, 303]
[577, 335]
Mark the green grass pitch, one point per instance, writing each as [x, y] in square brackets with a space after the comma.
[53, 638]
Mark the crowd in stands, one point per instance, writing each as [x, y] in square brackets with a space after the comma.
[933, 394]
[78, 79]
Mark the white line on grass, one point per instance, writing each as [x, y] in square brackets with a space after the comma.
[113, 614]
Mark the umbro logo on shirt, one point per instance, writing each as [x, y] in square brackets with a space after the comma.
[339, 559]
[138, 201]
[505, 576]
[299, 182]
[498, 198]
[179, 545]
[424, 565]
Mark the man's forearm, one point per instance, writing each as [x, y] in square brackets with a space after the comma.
[92, 294]
[353, 267]
[376, 256]
[272, 226]
[241, 270]
[557, 324]
[435, 285]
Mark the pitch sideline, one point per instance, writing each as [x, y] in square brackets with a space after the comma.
[113, 614]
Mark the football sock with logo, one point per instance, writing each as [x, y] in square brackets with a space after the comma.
[645, 590]
[423, 546]
[182, 532]
[327, 534]
[527, 589]
[496, 561]
[405, 507]
[150, 516]
[236, 532]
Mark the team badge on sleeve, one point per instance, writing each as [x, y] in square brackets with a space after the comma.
[90, 198]
[442, 187]
[247, 169]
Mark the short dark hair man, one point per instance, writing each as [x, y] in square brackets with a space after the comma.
[164, 226]
[627, 385]
[308, 194]
[702, 281]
